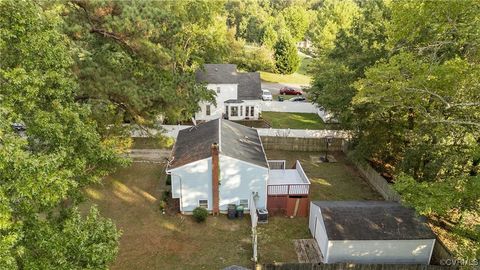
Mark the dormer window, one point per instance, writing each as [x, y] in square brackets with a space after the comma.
[218, 89]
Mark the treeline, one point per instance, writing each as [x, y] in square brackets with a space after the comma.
[72, 73]
[404, 76]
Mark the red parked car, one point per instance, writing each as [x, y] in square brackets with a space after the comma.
[290, 91]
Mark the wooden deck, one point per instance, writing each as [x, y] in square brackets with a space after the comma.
[308, 251]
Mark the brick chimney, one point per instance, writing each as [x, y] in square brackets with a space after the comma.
[215, 179]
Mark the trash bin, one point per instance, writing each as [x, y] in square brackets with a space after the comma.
[240, 211]
[231, 211]
[280, 98]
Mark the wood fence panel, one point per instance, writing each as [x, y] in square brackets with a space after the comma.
[349, 266]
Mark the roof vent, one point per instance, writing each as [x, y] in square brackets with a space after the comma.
[216, 69]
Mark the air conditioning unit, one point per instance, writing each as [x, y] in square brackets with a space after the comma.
[262, 215]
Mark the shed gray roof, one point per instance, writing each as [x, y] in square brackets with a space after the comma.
[236, 141]
[249, 84]
[372, 220]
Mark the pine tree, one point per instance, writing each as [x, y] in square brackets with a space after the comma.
[286, 56]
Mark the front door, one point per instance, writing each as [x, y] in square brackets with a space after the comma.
[225, 115]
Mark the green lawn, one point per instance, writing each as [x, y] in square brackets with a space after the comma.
[280, 78]
[296, 120]
[329, 181]
[302, 75]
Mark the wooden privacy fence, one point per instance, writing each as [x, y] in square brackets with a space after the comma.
[377, 181]
[349, 266]
[172, 131]
[301, 144]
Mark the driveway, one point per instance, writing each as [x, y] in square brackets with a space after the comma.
[274, 88]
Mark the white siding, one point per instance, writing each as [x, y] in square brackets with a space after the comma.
[227, 91]
[238, 179]
[381, 251]
[195, 182]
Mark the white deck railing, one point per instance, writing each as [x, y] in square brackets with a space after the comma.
[276, 164]
[301, 172]
[288, 189]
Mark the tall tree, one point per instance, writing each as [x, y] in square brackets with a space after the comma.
[135, 61]
[355, 48]
[286, 56]
[418, 114]
[44, 168]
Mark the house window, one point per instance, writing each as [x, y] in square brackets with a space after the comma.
[247, 110]
[234, 111]
[203, 203]
[241, 110]
[218, 89]
[244, 203]
[207, 110]
[251, 111]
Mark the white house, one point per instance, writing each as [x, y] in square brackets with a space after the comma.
[237, 93]
[220, 162]
[370, 232]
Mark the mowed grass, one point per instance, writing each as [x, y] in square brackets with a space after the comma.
[285, 78]
[329, 181]
[151, 240]
[302, 76]
[296, 120]
[275, 239]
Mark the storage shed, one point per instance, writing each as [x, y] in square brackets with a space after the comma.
[370, 232]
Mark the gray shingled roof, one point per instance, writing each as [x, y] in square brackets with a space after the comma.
[237, 141]
[217, 73]
[372, 220]
[194, 143]
[249, 84]
[241, 142]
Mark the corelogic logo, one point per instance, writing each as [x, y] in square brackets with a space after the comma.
[460, 262]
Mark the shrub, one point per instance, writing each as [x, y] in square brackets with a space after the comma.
[200, 214]
[162, 206]
[165, 195]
